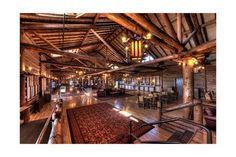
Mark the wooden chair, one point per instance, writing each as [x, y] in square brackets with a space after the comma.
[154, 102]
[209, 97]
[155, 95]
[140, 101]
[147, 102]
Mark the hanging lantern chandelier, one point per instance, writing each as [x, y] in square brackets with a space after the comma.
[136, 46]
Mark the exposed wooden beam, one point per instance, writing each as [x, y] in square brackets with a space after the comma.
[71, 65]
[204, 28]
[53, 26]
[77, 46]
[68, 27]
[87, 34]
[189, 37]
[155, 30]
[125, 22]
[43, 19]
[201, 49]
[179, 27]
[169, 27]
[85, 37]
[49, 43]
[118, 55]
[48, 50]
[79, 15]
[81, 62]
[197, 26]
[191, 28]
[112, 36]
[96, 18]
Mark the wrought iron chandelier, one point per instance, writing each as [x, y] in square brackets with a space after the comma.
[135, 46]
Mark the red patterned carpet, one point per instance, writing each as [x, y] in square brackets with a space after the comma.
[100, 123]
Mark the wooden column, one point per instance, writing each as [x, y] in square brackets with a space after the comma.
[205, 79]
[22, 90]
[105, 81]
[198, 114]
[159, 109]
[22, 79]
[89, 81]
[82, 81]
[187, 85]
[162, 75]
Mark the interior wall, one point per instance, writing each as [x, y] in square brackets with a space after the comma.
[31, 70]
[199, 79]
[169, 76]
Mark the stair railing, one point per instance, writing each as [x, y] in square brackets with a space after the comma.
[209, 134]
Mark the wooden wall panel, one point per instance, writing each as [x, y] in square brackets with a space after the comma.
[199, 79]
[169, 77]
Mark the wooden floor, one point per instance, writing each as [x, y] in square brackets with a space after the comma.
[128, 104]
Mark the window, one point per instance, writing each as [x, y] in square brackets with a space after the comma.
[147, 58]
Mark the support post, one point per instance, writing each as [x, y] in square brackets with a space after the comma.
[187, 85]
[159, 110]
[198, 114]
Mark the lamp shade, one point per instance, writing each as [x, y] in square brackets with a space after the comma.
[136, 50]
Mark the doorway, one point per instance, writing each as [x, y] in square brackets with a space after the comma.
[179, 86]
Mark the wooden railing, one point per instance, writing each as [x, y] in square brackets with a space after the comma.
[209, 134]
[160, 111]
[55, 133]
[45, 127]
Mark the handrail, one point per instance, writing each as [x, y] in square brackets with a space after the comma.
[209, 135]
[152, 142]
[174, 108]
[42, 133]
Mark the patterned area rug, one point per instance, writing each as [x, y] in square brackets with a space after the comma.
[101, 124]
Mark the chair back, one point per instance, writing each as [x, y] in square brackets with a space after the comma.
[151, 95]
[155, 94]
[140, 98]
[208, 97]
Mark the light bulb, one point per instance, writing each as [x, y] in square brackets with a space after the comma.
[124, 39]
[148, 36]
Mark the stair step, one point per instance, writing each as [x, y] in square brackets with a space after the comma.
[181, 137]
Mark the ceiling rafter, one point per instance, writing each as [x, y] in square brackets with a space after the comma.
[155, 31]
[118, 55]
[125, 22]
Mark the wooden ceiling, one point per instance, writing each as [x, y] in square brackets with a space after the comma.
[92, 41]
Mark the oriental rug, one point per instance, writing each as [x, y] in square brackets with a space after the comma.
[102, 124]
